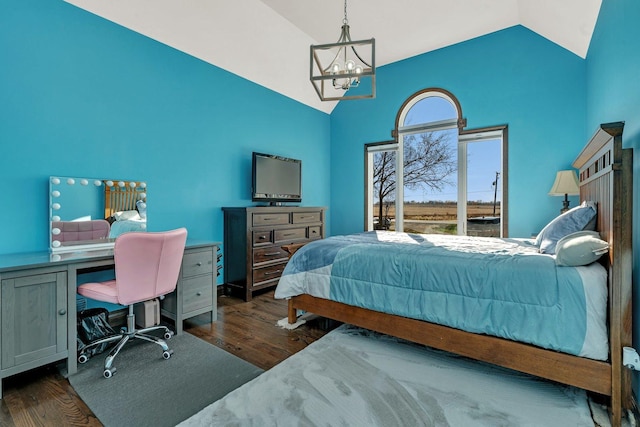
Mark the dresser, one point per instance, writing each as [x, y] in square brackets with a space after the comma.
[38, 301]
[254, 256]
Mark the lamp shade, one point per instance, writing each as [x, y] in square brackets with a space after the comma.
[566, 183]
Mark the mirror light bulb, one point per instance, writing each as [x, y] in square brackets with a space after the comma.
[132, 184]
[55, 243]
[97, 183]
[55, 218]
[55, 181]
[55, 231]
[121, 184]
[56, 206]
[143, 184]
[71, 181]
[55, 193]
[84, 182]
[109, 183]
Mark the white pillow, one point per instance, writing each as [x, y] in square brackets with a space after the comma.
[581, 248]
[125, 215]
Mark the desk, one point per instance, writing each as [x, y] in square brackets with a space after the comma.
[38, 302]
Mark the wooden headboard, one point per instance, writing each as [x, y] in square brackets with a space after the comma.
[122, 197]
[605, 175]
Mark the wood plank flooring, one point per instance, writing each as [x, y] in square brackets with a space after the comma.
[42, 397]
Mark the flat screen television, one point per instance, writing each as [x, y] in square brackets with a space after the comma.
[276, 179]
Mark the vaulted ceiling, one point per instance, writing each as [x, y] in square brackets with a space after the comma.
[267, 41]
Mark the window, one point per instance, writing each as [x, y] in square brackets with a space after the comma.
[437, 177]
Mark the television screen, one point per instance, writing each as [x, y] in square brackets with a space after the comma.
[276, 179]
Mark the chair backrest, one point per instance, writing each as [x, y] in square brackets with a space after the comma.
[147, 264]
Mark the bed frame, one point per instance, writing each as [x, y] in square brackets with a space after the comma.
[606, 178]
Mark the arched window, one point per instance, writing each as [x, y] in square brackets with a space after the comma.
[437, 177]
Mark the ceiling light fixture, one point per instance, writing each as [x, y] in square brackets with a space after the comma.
[347, 67]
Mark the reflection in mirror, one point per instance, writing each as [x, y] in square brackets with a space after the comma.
[91, 213]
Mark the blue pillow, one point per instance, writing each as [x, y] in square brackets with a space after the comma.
[577, 219]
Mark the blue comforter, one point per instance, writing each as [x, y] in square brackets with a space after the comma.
[500, 287]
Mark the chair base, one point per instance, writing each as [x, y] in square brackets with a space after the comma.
[128, 333]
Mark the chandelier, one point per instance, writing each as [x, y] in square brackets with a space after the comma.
[337, 69]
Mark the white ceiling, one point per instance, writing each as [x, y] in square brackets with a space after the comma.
[267, 41]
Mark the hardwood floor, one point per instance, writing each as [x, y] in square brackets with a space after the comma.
[43, 397]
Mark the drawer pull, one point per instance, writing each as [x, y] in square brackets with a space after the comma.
[271, 273]
[199, 264]
[313, 231]
[289, 234]
[62, 312]
[262, 237]
[199, 294]
[272, 254]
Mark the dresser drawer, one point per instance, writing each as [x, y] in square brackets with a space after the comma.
[306, 217]
[315, 233]
[274, 253]
[265, 274]
[260, 219]
[290, 234]
[197, 292]
[262, 237]
[196, 263]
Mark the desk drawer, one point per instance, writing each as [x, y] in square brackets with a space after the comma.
[197, 293]
[260, 219]
[196, 263]
[266, 274]
[306, 217]
[274, 253]
[290, 234]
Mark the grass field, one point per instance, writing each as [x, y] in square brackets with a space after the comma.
[441, 218]
[440, 211]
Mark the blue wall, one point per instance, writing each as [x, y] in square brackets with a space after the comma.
[613, 88]
[512, 77]
[81, 96]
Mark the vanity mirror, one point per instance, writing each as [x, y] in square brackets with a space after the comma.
[89, 213]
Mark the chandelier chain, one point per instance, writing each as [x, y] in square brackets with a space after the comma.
[345, 20]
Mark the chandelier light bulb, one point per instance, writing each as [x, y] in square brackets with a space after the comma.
[350, 65]
[335, 68]
[358, 69]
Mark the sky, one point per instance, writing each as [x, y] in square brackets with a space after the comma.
[483, 158]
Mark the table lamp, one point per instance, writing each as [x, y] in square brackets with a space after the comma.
[566, 184]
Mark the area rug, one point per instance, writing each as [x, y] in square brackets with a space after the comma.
[354, 377]
[147, 390]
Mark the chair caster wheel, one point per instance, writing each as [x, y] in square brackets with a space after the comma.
[83, 358]
[167, 354]
[108, 373]
[168, 335]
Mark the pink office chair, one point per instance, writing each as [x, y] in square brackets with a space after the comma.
[147, 266]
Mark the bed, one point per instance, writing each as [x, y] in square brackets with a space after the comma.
[499, 331]
[125, 207]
